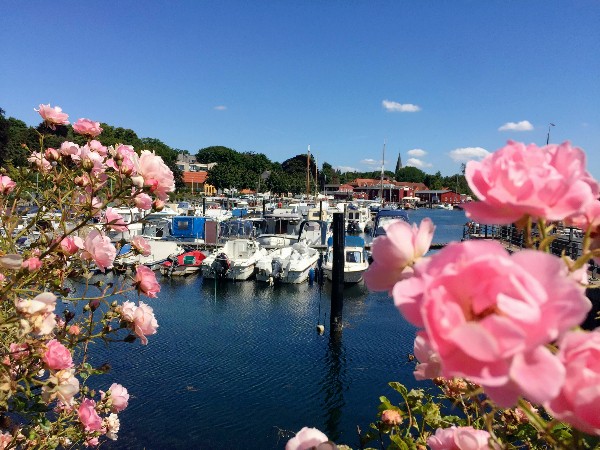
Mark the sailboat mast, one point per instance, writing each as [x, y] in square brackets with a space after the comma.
[308, 173]
[382, 164]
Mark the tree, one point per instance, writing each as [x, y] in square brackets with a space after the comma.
[411, 175]
[4, 137]
[217, 154]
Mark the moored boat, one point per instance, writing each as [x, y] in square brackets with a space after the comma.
[236, 260]
[355, 260]
[184, 264]
[291, 264]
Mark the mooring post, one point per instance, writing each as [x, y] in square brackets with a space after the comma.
[337, 275]
[264, 207]
[204, 206]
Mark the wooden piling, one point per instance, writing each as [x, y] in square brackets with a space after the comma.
[337, 275]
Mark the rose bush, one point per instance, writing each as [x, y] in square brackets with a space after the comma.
[498, 333]
[47, 399]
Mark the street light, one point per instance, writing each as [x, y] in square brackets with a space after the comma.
[548, 137]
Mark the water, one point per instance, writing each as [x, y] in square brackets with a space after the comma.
[241, 365]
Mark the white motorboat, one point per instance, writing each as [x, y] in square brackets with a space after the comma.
[291, 264]
[160, 251]
[236, 260]
[282, 228]
[356, 218]
[355, 260]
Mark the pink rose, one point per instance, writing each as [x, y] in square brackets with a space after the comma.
[69, 245]
[143, 201]
[394, 253]
[156, 174]
[461, 438]
[53, 116]
[145, 280]
[97, 147]
[69, 148]
[39, 311]
[141, 245]
[429, 366]
[88, 416]
[306, 439]
[32, 264]
[41, 304]
[57, 356]
[98, 247]
[144, 322]
[87, 127]
[488, 316]
[62, 385]
[124, 160]
[127, 311]
[119, 397]
[114, 220]
[19, 351]
[550, 182]
[7, 185]
[577, 403]
[40, 162]
[391, 417]
[5, 439]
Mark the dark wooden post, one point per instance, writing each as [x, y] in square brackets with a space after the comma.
[337, 276]
[204, 206]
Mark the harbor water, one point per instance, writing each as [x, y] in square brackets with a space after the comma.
[241, 365]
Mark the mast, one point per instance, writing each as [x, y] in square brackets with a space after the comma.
[382, 164]
[308, 173]
[316, 179]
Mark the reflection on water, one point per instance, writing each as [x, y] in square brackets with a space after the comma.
[235, 365]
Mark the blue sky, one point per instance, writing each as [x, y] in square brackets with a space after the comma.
[439, 81]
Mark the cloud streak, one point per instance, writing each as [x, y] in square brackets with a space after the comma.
[391, 106]
[523, 125]
[344, 169]
[417, 152]
[220, 108]
[468, 153]
[418, 163]
[370, 162]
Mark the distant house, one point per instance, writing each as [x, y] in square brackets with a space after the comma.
[196, 182]
[439, 196]
[389, 190]
[188, 163]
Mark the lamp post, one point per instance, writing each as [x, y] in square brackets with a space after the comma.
[548, 137]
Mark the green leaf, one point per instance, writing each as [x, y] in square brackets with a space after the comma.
[397, 443]
[399, 387]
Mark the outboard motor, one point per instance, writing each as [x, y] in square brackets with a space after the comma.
[276, 268]
[221, 265]
[353, 227]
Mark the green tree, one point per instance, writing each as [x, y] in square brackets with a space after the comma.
[4, 136]
[217, 154]
[410, 175]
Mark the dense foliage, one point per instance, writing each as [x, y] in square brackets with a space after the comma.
[17, 141]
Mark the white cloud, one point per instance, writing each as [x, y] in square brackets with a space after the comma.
[371, 162]
[416, 162]
[220, 108]
[346, 169]
[523, 125]
[468, 153]
[391, 106]
[417, 152]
